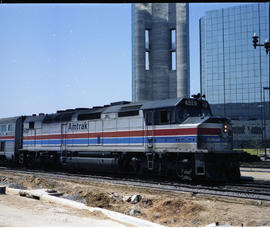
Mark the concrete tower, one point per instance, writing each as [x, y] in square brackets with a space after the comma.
[160, 51]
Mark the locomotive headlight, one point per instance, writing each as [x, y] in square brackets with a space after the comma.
[225, 128]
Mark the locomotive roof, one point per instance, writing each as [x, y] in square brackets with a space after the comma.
[143, 105]
[122, 108]
[34, 118]
[63, 116]
[8, 119]
[115, 107]
[161, 103]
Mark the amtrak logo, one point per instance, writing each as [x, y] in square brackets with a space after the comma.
[78, 126]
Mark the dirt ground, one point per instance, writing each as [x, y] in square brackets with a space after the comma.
[163, 207]
[21, 211]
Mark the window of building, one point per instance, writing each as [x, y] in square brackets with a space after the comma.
[147, 49]
[173, 36]
[147, 38]
[173, 60]
[173, 50]
[147, 60]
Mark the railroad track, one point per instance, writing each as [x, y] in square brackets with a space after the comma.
[245, 189]
[254, 169]
[261, 164]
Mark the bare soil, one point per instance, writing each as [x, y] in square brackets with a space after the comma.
[16, 211]
[163, 207]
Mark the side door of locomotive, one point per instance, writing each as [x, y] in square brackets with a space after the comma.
[30, 134]
[149, 131]
[6, 140]
[63, 146]
[95, 133]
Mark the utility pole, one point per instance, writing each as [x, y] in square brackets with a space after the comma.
[266, 45]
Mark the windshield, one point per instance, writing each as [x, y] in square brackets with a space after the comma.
[206, 112]
[193, 108]
[193, 111]
[205, 109]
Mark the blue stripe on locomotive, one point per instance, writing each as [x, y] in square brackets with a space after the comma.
[7, 140]
[158, 139]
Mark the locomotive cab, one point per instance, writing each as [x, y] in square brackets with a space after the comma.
[190, 140]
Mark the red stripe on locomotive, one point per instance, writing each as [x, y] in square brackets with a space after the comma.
[139, 133]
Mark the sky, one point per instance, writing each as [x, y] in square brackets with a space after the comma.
[62, 56]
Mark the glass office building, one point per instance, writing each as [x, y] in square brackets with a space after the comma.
[233, 73]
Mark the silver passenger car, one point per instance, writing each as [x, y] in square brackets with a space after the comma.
[10, 137]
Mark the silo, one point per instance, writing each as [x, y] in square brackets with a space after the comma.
[152, 75]
[159, 54]
[182, 50]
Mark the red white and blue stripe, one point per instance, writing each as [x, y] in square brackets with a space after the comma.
[179, 135]
[6, 138]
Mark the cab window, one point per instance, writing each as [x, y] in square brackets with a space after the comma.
[182, 115]
[31, 125]
[164, 117]
[149, 118]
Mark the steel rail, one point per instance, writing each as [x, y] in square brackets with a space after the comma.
[220, 190]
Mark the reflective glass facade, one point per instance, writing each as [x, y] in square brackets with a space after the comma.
[233, 73]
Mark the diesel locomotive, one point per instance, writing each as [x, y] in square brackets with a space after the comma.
[175, 137]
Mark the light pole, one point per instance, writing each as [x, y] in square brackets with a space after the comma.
[266, 45]
[265, 88]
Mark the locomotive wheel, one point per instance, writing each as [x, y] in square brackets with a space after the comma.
[184, 174]
[233, 174]
[180, 173]
[21, 159]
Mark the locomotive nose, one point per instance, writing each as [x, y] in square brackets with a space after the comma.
[227, 129]
[215, 134]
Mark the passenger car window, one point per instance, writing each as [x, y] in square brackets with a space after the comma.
[2, 146]
[10, 128]
[3, 128]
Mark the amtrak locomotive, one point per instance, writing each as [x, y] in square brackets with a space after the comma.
[174, 137]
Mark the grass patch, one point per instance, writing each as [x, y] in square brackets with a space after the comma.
[252, 151]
